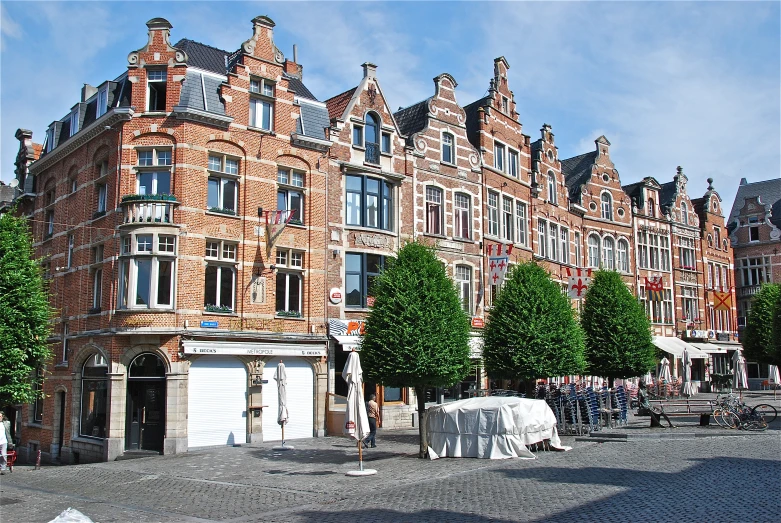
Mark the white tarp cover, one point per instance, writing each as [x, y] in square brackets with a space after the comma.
[493, 428]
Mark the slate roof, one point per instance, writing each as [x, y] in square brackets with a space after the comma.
[337, 104]
[412, 119]
[314, 119]
[295, 85]
[471, 119]
[204, 56]
[769, 192]
[667, 195]
[577, 171]
[195, 86]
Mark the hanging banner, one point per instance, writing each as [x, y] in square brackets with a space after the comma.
[654, 288]
[497, 268]
[577, 283]
[501, 249]
[722, 301]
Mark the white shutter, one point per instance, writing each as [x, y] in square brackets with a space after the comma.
[217, 402]
[300, 400]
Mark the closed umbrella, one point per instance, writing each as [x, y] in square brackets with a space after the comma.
[282, 415]
[739, 376]
[664, 373]
[688, 389]
[356, 420]
[773, 378]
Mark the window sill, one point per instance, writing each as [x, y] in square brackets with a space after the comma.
[61, 365]
[387, 155]
[220, 174]
[88, 439]
[221, 314]
[223, 215]
[448, 164]
[432, 235]
[463, 240]
[154, 113]
[35, 424]
[360, 228]
[359, 147]
[145, 310]
[370, 164]
[261, 130]
[349, 308]
[93, 310]
[295, 318]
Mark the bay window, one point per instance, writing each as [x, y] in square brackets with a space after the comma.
[147, 271]
[369, 202]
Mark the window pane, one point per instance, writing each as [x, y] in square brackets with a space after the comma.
[213, 198]
[371, 129]
[297, 204]
[226, 287]
[210, 286]
[143, 281]
[215, 163]
[124, 278]
[392, 394]
[163, 157]
[353, 290]
[357, 135]
[163, 183]
[373, 263]
[372, 210]
[145, 157]
[164, 282]
[353, 183]
[281, 291]
[294, 290]
[229, 195]
[266, 115]
[231, 166]
[353, 208]
[145, 183]
[94, 396]
[353, 263]
[268, 88]
[386, 143]
[282, 176]
[297, 180]
[144, 243]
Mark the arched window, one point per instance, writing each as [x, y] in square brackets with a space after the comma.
[372, 138]
[651, 208]
[593, 251]
[622, 256]
[607, 206]
[146, 365]
[94, 397]
[552, 188]
[684, 213]
[608, 251]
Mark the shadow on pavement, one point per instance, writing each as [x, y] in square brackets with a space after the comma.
[690, 496]
[395, 516]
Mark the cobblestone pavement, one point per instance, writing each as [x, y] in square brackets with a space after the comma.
[711, 479]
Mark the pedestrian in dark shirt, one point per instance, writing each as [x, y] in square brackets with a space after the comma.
[373, 410]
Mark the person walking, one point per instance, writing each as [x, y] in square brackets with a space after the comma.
[6, 442]
[373, 411]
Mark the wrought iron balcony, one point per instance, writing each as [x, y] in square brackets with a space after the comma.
[153, 208]
[372, 153]
[745, 292]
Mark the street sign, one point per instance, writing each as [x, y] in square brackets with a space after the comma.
[210, 324]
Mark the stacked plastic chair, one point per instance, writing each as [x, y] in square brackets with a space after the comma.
[592, 406]
[623, 404]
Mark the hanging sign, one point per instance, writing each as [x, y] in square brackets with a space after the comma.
[335, 295]
[722, 301]
[577, 282]
[654, 286]
[497, 268]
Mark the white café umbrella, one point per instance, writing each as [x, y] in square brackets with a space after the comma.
[282, 415]
[664, 373]
[687, 389]
[739, 376]
[356, 420]
[773, 378]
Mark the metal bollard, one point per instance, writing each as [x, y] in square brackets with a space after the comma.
[38, 461]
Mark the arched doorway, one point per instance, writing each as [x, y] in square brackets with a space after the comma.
[145, 419]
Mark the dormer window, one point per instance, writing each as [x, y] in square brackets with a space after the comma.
[261, 104]
[651, 208]
[448, 155]
[49, 139]
[102, 106]
[156, 89]
[74, 121]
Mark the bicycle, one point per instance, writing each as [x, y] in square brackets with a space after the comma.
[766, 411]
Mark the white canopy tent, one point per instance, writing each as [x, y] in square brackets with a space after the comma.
[493, 427]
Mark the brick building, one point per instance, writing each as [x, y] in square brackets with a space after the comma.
[204, 216]
[755, 235]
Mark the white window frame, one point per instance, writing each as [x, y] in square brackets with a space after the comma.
[291, 182]
[262, 103]
[102, 102]
[492, 204]
[622, 255]
[102, 196]
[69, 262]
[449, 158]
[463, 277]
[434, 204]
[513, 162]
[564, 245]
[552, 195]
[606, 206]
[608, 253]
[129, 261]
[542, 238]
[684, 213]
[74, 121]
[499, 152]
[150, 83]
[97, 287]
[578, 253]
[508, 218]
[553, 241]
[290, 264]
[594, 251]
[521, 225]
[462, 216]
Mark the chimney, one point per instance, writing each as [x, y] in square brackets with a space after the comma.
[87, 91]
[743, 181]
[295, 53]
[369, 70]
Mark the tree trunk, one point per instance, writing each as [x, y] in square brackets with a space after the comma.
[610, 382]
[531, 388]
[420, 392]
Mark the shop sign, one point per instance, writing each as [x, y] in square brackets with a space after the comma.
[210, 324]
[345, 327]
[250, 349]
[696, 334]
[335, 295]
[722, 336]
[478, 323]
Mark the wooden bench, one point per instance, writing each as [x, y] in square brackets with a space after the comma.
[694, 407]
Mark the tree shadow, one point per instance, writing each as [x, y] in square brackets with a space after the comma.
[688, 495]
[380, 514]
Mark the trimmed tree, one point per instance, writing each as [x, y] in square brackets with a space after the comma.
[417, 333]
[776, 359]
[531, 332]
[618, 332]
[759, 341]
[25, 313]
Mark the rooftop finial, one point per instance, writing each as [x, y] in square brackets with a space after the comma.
[710, 184]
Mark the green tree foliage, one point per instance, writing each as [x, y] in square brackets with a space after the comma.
[25, 313]
[417, 334]
[776, 359]
[531, 332]
[758, 337]
[618, 333]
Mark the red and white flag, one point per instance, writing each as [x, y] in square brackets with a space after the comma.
[501, 249]
[578, 282]
[497, 268]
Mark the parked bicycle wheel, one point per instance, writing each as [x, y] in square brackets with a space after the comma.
[717, 417]
[768, 412]
[754, 425]
[729, 419]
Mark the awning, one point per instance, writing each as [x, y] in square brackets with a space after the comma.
[674, 346]
[717, 348]
[348, 343]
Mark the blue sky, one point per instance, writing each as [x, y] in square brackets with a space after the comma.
[669, 83]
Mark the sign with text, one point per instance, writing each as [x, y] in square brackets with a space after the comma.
[210, 324]
[252, 349]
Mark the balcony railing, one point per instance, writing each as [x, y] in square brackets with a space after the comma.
[149, 208]
[373, 153]
[745, 292]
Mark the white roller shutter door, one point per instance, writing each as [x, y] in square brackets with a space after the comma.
[217, 402]
[300, 400]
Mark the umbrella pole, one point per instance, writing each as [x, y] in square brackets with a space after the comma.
[283, 434]
[360, 454]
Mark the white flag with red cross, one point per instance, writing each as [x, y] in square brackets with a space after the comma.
[501, 249]
[497, 268]
[578, 282]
